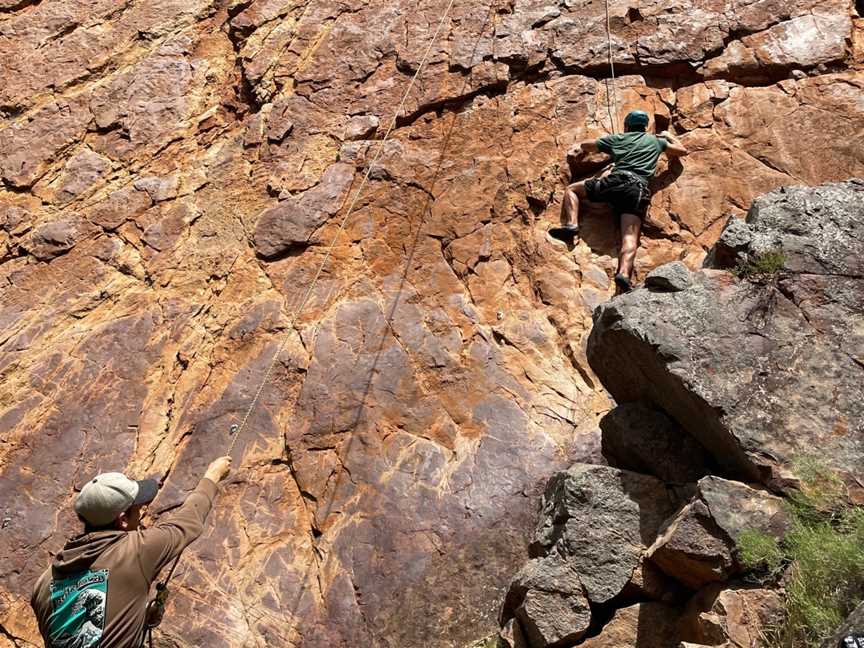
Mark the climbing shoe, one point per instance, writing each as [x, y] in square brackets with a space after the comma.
[566, 233]
[623, 283]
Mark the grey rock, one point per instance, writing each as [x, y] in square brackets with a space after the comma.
[643, 439]
[360, 127]
[548, 600]
[699, 545]
[601, 520]
[673, 276]
[819, 229]
[159, 189]
[760, 375]
[733, 243]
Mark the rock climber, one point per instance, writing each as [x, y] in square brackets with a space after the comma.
[625, 186]
[96, 592]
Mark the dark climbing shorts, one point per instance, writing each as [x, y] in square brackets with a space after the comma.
[625, 191]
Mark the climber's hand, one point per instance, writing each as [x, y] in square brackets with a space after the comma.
[577, 151]
[218, 470]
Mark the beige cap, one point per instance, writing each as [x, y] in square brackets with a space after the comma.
[108, 495]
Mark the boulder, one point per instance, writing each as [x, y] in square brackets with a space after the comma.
[670, 277]
[644, 625]
[601, 520]
[643, 439]
[699, 545]
[548, 601]
[739, 617]
[853, 625]
[755, 372]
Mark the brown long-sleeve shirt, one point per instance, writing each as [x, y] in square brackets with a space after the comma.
[97, 589]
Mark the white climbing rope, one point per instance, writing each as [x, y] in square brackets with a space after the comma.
[610, 94]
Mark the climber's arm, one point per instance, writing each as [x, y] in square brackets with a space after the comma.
[674, 147]
[589, 146]
[582, 148]
[163, 542]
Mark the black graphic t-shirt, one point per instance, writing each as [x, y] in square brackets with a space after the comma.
[78, 609]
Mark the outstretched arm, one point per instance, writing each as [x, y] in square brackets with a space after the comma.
[674, 147]
[171, 534]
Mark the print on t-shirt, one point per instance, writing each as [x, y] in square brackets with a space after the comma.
[78, 609]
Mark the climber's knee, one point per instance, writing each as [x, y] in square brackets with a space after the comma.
[578, 188]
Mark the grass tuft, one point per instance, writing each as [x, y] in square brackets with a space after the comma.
[760, 551]
[761, 267]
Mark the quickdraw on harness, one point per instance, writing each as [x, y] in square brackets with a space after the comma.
[156, 607]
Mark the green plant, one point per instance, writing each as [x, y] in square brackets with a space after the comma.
[825, 547]
[758, 550]
[762, 267]
[828, 576]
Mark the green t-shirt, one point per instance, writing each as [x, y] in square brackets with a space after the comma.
[635, 151]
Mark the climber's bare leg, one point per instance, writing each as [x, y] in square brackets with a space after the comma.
[570, 204]
[569, 228]
[631, 229]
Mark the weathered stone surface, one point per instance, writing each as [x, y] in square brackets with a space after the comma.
[745, 368]
[802, 42]
[547, 599]
[600, 520]
[437, 376]
[296, 220]
[53, 238]
[734, 617]
[645, 625]
[643, 439]
[672, 277]
[699, 545]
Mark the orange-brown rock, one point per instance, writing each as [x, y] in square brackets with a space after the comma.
[173, 174]
[735, 617]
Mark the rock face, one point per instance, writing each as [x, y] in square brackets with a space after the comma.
[761, 374]
[173, 174]
[548, 601]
